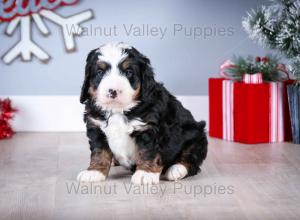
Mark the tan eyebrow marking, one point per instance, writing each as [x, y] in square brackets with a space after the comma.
[125, 64]
[102, 65]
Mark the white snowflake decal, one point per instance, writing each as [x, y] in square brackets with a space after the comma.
[26, 47]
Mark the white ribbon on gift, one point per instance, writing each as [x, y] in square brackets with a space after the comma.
[228, 100]
[277, 112]
[252, 78]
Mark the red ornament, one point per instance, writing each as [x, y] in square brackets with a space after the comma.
[265, 59]
[257, 59]
[6, 113]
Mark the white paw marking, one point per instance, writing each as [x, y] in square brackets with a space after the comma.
[141, 177]
[90, 176]
[176, 172]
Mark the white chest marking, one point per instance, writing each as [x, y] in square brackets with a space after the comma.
[117, 131]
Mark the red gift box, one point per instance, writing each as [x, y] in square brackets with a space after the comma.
[249, 113]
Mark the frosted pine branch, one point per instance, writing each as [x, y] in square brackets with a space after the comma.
[277, 27]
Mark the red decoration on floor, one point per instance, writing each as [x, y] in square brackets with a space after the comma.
[6, 113]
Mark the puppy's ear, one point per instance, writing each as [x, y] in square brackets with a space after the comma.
[147, 77]
[146, 72]
[136, 54]
[90, 62]
[147, 82]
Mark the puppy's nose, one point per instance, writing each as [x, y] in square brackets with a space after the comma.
[112, 93]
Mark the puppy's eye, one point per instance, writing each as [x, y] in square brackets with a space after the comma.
[129, 72]
[100, 71]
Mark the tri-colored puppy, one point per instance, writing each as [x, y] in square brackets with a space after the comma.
[132, 118]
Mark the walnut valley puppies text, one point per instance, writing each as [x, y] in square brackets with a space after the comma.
[156, 31]
[161, 190]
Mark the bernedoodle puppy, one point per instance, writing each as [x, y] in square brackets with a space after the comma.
[134, 120]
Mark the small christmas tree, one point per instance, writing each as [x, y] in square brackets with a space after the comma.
[277, 26]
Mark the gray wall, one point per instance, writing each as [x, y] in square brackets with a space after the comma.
[183, 63]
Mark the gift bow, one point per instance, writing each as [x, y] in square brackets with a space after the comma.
[226, 65]
[229, 64]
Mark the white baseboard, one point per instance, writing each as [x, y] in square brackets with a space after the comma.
[65, 113]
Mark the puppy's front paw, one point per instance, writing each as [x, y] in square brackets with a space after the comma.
[141, 177]
[90, 176]
[176, 172]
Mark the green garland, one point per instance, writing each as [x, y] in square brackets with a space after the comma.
[268, 66]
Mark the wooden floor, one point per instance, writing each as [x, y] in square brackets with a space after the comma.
[38, 171]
